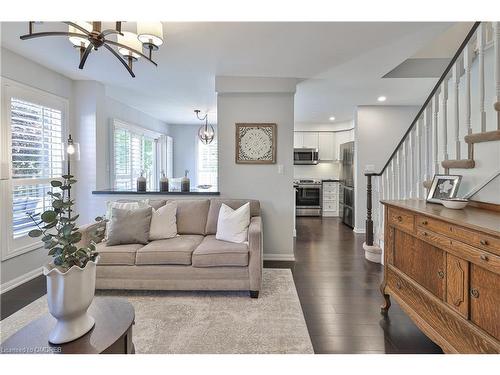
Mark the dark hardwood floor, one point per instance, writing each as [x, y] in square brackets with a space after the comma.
[338, 290]
[340, 297]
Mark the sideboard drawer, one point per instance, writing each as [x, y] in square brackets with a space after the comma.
[485, 300]
[401, 219]
[474, 238]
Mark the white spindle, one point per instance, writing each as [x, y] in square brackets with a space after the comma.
[480, 46]
[427, 158]
[418, 155]
[496, 43]
[380, 188]
[435, 126]
[467, 68]
[404, 174]
[444, 111]
[393, 180]
[456, 84]
[387, 185]
[411, 165]
[398, 175]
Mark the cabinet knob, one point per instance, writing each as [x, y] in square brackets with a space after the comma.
[424, 222]
[484, 242]
[484, 257]
[474, 293]
[441, 274]
[426, 234]
[400, 218]
[398, 284]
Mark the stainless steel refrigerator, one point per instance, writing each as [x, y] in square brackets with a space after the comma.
[346, 192]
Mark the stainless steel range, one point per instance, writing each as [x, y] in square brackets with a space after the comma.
[307, 197]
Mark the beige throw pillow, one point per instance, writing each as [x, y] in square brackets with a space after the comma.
[164, 222]
[232, 225]
[129, 226]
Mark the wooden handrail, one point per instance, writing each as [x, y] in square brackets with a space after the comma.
[431, 95]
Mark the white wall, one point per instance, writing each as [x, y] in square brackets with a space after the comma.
[378, 130]
[253, 101]
[185, 150]
[19, 69]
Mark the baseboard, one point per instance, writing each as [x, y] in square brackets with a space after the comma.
[11, 284]
[359, 230]
[282, 257]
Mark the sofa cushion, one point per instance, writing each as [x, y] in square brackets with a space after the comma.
[129, 226]
[118, 254]
[175, 250]
[215, 253]
[192, 216]
[215, 204]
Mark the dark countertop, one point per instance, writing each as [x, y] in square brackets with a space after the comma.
[156, 192]
[330, 180]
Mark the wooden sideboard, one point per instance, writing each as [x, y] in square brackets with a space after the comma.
[443, 267]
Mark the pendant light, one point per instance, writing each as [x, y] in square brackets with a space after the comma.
[206, 133]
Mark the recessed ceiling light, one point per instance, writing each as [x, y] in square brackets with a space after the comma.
[332, 118]
[381, 98]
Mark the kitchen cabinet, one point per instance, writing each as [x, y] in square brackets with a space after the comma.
[330, 204]
[326, 146]
[327, 143]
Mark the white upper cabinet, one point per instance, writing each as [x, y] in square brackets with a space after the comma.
[327, 143]
[310, 140]
[298, 139]
[326, 146]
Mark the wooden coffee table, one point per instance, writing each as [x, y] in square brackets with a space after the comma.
[112, 332]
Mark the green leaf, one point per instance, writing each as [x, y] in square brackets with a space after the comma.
[51, 225]
[55, 195]
[74, 218]
[56, 183]
[49, 216]
[67, 176]
[35, 233]
[66, 230]
[76, 237]
[57, 203]
[64, 187]
[72, 181]
[46, 238]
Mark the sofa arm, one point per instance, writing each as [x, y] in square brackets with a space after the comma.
[255, 261]
[88, 234]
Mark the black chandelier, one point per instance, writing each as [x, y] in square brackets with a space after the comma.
[89, 36]
[206, 133]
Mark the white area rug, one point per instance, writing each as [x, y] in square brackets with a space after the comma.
[207, 322]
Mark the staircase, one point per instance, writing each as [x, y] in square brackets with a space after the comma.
[447, 133]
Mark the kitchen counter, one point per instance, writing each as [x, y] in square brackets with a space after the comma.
[330, 180]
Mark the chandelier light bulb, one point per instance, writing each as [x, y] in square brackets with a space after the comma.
[130, 40]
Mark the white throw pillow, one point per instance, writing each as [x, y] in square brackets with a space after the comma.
[232, 225]
[164, 222]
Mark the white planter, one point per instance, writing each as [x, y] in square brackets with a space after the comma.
[69, 296]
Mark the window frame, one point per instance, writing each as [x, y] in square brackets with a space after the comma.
[12, 247]
[156, 136]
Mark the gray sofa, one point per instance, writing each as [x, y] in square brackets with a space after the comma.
[194, 260]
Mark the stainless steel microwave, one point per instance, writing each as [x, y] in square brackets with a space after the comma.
[305, 156]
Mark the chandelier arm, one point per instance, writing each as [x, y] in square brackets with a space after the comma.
[76, 26]
[130, 49]
[201, 118]
[50, 33]
[124, 63]
[85, 55]
[109, 32]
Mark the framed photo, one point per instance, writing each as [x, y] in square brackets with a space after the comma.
[443, 187]
[255, 144]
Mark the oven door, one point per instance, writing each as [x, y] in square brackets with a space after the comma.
[308, 197]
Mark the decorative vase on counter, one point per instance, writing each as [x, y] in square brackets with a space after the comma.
[69, 295]
[163, 182]
[185, 182]
[141, 183]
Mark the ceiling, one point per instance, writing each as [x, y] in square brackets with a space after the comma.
[341, 64]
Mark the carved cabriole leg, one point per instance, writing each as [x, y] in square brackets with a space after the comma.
[388, 248]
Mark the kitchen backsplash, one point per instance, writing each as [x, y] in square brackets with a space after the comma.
[322, 170]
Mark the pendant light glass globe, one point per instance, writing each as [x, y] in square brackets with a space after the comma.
[83, 40]
[206, 133]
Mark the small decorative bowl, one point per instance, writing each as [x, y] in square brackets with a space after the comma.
[455, 203]
[204, 187]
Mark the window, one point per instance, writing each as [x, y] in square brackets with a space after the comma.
[32, 144]
[206, 171]
[135, 150]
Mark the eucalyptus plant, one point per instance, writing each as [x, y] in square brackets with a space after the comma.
[59, 231]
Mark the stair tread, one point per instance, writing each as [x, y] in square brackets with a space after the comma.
[490, 136]
[458, 163]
